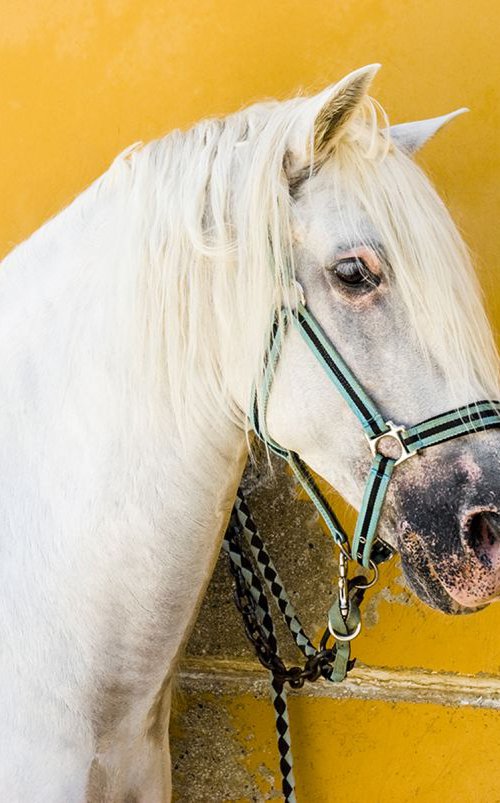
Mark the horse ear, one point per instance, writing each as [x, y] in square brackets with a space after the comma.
[324, 116]
[337, 104]
[410, 137]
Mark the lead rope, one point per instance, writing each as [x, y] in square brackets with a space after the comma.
[331, 662]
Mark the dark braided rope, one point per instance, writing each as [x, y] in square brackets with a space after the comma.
[271, 576]
[279, 701]
[252, 602]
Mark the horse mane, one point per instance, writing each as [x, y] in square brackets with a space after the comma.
[208, 239]
[206, 251]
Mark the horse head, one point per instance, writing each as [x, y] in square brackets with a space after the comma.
[384, 271]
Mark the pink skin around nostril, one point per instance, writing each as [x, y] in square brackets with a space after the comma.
[474, 578]
[474, 594]
[482, 535]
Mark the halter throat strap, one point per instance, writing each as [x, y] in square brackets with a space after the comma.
[365, 547]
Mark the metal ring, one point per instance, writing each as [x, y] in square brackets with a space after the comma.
[347, 636]
[369, 584]
[344, 548]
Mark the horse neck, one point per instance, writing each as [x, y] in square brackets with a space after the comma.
[115, 501]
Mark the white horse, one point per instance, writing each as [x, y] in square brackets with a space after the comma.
[133, 327]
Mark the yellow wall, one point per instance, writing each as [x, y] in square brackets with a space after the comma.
[352, 751]
[82, 79]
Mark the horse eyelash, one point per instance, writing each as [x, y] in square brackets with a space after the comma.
[368, 276]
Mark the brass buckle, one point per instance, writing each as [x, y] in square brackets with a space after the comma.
[394, 432]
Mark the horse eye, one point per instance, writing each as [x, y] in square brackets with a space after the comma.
[354, 272]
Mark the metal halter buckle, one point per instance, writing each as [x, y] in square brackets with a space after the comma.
[394, 432]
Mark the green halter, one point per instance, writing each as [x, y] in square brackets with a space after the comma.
[344, 620]
[365, 548]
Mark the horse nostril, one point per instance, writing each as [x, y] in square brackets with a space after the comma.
[483, 536]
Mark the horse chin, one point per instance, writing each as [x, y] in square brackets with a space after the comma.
[423, 578]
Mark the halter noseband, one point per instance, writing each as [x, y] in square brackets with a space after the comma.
[366, 549]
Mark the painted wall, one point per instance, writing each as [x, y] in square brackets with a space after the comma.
[81, 80]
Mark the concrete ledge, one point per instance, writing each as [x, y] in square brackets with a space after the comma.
[232, 677]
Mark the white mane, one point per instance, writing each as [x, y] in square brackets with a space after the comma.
[206, 233]
[195, 230]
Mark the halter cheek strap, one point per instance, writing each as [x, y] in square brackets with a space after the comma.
[365, 547]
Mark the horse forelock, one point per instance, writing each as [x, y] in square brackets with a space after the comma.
[429, 261]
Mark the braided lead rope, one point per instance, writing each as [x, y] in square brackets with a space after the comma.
[246, 577]
[334, 663]
[271, 576]
[244, 574]
[279, 701]
[331, 663]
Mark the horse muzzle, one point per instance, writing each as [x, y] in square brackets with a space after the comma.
[449, 531]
